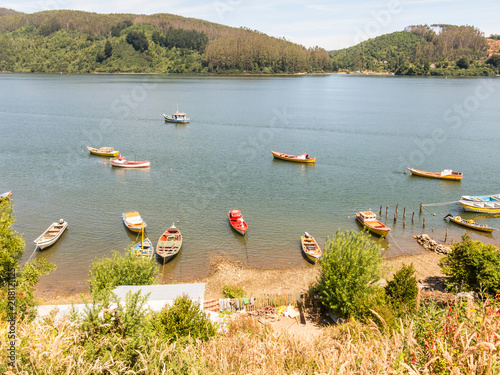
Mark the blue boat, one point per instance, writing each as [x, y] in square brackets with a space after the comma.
[177, 117]
[144, 249]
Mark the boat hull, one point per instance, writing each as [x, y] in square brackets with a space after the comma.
[239, 225]
[130, 164]
[374, 226]
[483, 207]
[98, 152]
[310, 249]
[51, 235]
[475, 226]
[169, 244]
[453, 177]
[5, 195]
[294, 158]
[146, 251]
[133, 228]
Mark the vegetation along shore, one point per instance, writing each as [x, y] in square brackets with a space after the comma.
[67, 41]
[353, 314]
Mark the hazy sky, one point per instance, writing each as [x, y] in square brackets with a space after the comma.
[329, 24]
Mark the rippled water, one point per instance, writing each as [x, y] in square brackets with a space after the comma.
[363, 130]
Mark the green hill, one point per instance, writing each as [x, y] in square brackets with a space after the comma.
[76, 41]
[420, 50]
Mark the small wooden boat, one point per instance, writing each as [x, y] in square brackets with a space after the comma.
[134, 221]
[51, 235]
[144, 248]
[120, 161]
[303, 158]
[310, 248]
[369, 220]
[169, 244]
[447, 174]
[469, 223]
[489, 204]
[177, 117]
[5, 195]
[103, 151]
[237, 222]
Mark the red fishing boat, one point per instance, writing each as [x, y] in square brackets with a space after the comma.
[120, 161]
[237, 222]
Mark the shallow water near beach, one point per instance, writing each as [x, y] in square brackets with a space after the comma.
[364, 131]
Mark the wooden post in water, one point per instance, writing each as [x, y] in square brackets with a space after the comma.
[413, 217]
[395, 216]
[421, 207]
[397, 208]
[386, 211]
[446, 235]
[404, 224]
[423, 226]
[404, 213]
[380, 212]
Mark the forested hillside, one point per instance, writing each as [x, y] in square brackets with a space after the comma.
[420, 50]
[81, 42]
[75, 41]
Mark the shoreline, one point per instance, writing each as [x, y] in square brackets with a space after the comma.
[259, 282]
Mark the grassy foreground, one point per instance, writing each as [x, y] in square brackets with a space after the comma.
[457, 337]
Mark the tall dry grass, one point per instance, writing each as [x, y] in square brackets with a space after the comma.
[460, 338]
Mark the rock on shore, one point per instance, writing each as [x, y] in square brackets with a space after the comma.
[429, 244]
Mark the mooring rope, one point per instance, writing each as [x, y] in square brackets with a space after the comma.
[439, 204]
[33, 253]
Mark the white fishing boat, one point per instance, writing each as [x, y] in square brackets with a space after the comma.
[51, 235]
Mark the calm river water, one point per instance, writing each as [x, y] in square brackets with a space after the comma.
[364, 131]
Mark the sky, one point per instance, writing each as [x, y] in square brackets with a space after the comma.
[330, 24]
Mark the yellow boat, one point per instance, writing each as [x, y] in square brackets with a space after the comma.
[447, 174]
[133, 221]
[369, 220]
[310, 248]
[470, 223]
[303, 158]
[103, 151]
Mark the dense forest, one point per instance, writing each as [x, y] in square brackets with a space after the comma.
[421, 50]
[75, 41]
[69, 41]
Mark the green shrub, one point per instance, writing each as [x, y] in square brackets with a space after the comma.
[350, 267]
[182, 320]
[472, 266]
[233, 291]
[402, 290]
[120, 269]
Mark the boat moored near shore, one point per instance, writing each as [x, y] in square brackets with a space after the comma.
[369, 220]
[489, 204]
[469, 223]
[51, 235]
[447, 174]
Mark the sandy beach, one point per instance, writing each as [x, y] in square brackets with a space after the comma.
[260, 282]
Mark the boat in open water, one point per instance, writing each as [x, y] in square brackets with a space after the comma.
[133, 221]
[310, 248]
[121, 162]
[177, 117]
[302, 158]
[169, 244]
[51, 235]
[447, 174]
[237, 221]
[489, 204]
[469, 223]
[103, 151]
[369, 220]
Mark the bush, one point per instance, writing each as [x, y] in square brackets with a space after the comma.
[120, 269]
[472, 266]
[402, 290]
[182, 320]
[350, 266]
[232, 291]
